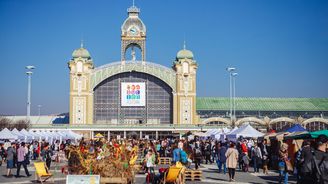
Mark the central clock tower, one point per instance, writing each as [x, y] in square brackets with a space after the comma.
[133, 35]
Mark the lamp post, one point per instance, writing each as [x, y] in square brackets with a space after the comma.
[234, 94]
[29, 77]
[230, 70]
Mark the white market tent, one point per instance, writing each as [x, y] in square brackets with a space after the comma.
[20, 135]
[6, 134]
[225, 132]
[26, 134]
[245, 131]
[213, 132]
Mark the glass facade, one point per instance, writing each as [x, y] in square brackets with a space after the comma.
[107, 101]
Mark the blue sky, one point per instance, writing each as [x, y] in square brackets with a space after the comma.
[279, 47]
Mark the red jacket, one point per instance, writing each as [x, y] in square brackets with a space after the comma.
[244, 148]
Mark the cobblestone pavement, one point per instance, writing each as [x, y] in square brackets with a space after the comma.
[210, 175]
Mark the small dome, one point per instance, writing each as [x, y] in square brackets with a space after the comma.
[81, 52]
[184, 53]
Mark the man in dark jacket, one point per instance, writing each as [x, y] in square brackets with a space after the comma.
[222, 158]
[321, 160]
[305, 168]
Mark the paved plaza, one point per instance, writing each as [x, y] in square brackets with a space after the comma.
[210, 175]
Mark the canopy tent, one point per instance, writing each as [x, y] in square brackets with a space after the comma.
[200, 134]
[296, 128]
[20, 135]
[245, 131]
[26, 134]
[225, 132]
[75, 135]
[6, 134]
[310, 135]
[233, 130]
[213, 132]
[291, 135]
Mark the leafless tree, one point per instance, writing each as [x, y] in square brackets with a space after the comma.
[5, 123]
[19, 124]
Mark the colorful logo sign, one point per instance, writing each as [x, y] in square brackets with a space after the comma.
[133, 94]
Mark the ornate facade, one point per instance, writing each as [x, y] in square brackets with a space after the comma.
[96, 94]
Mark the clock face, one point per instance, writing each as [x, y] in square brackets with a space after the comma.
[133, 31]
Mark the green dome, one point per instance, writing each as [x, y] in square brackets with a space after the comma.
[184, 53]
[81, 52]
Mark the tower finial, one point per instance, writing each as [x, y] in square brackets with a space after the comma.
[184, 44]
[82, 43]
[133, 3]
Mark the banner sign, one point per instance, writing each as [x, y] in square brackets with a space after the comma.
[133, 94]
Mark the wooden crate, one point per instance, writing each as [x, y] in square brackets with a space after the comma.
[104, 180]
[165, 160]
[193, 175]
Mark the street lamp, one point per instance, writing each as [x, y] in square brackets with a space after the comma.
[29, 77]
[234, 75]
[230, 70]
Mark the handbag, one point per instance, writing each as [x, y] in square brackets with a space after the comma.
[289, 166]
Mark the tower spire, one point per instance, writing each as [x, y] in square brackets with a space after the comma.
[184, 44]
[133, 3]
[82, 45]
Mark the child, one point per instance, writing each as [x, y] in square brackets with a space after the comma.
[265, 164]
[246, 160]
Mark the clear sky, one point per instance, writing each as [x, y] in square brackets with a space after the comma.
[279, 47]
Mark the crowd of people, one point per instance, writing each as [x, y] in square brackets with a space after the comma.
[310, 165]
[16, 155]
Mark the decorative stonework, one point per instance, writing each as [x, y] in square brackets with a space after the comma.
[133, 34]
[79, 109]
[103, 72]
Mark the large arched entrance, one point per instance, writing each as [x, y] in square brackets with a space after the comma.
[157, 107]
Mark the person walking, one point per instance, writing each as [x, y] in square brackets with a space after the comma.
[197, 155]
[21, 152]
[283, 158]
[11, 151]
[222, 158]
[305, 164]
[232, 160]
[256, 157]
[47, 155]
[208, 151]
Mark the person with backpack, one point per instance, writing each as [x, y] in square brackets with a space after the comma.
[305, 164]
[197, 155]
[321, 160]
[256, 157]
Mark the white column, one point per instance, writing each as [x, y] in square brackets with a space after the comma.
[124, 135]
[156, 135]
[140, 135]
[108, 135]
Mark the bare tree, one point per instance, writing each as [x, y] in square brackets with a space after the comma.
[21, 124]
[5, 123]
